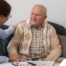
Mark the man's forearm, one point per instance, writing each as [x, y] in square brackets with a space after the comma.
[54, 54]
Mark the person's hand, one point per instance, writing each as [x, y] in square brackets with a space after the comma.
[19, 59]
[14, 57]
[15, 26]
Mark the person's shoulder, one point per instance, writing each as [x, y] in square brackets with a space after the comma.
[50, 26]
[24, 24]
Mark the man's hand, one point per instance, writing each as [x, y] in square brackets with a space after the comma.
[14, 57]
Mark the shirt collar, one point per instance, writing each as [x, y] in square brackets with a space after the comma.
[41, 26]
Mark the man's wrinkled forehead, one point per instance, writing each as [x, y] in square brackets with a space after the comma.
[39, 8]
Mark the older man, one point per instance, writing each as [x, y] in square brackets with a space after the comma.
[35, 39]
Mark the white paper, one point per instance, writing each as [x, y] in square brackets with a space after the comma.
[63, 63]
[38, 63]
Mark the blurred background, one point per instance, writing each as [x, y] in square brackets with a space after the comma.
[21, 9]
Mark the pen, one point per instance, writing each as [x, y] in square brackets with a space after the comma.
[32, 63]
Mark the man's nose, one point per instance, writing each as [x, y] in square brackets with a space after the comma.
[34, 16]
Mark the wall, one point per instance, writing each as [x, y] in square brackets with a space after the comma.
[21, 10]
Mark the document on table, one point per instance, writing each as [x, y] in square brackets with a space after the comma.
[30, 63]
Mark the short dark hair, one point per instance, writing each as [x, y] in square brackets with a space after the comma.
[5, 8]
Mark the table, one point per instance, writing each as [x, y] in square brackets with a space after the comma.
[57, 63]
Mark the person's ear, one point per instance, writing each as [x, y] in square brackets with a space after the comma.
[45, 17]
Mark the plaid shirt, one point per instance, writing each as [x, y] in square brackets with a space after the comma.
[37, 48]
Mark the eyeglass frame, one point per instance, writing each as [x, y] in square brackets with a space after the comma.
[9, 16]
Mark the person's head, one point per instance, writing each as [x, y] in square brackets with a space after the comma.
[38, 15]
[5, 9]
